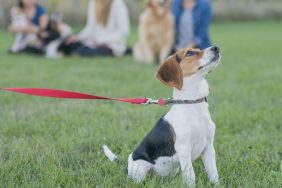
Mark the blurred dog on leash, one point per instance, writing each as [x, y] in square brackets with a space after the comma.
[156, 32]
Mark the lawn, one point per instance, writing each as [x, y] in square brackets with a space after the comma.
[57, 143]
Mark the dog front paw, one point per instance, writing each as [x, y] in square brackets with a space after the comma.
[214, 180]
[190, 181]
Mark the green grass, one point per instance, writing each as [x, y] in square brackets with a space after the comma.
[57, 143]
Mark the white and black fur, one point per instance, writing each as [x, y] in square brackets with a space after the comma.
[183, 134]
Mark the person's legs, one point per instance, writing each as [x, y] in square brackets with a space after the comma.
[92, 52]
[17, 45]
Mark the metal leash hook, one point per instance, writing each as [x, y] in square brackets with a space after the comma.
[151, 101]
[161, 102]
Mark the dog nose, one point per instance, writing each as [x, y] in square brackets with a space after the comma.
[215, 49]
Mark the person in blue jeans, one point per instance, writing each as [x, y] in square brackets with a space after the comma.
[192, 16]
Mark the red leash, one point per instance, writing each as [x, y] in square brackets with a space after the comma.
[61, 94]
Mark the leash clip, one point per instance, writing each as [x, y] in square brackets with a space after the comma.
[151, 101]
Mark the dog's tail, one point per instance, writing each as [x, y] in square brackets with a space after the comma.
[109, 154]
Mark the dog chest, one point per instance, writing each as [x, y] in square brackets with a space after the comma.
[192, 125]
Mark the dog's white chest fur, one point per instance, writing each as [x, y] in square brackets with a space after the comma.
[192, 125]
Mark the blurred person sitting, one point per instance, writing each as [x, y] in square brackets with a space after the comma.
[105, 33]
[28, 19]
[192, 20]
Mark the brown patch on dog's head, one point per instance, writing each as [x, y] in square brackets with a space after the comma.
[170, 73]
[182, 64]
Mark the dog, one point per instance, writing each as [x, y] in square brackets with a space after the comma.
[156, 32]
[57, 32]
[187, 130]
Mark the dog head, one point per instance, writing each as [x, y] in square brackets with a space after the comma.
[159, 7]
[188, 62]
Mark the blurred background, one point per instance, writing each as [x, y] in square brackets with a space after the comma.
[224, 10]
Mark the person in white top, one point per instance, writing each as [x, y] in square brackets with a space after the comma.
[105, 33]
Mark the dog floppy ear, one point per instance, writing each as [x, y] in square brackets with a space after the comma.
[170, 73]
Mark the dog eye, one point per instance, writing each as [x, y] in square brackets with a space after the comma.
[190, 53]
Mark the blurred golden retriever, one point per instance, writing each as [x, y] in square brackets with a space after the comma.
[156, 32]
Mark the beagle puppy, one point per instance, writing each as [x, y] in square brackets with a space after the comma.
[187, 130]
[154, 45]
